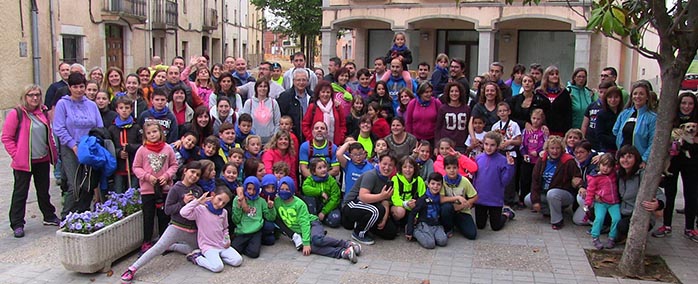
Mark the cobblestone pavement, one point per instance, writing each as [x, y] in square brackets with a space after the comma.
[527, 250]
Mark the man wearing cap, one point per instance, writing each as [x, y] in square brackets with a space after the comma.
[276, 72]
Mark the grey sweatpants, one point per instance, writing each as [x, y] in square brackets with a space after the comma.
[325, 245]
[554, 200]
[174, 239]
[430, 236]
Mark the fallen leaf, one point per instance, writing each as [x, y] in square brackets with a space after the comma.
[364, 267]
[536, 250]
[110, 273]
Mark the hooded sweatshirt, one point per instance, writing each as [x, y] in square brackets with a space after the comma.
[265, 116]
[74, 119]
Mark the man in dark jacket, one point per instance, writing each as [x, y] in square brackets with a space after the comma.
[294, 101]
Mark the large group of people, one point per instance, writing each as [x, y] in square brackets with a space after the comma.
[223, 158]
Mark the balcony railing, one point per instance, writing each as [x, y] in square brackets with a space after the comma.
[210, 19]
[133, 11]
[165, 14]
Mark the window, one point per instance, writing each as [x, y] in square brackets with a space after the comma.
[72, 49]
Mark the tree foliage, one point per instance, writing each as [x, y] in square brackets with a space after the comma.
[294, 17]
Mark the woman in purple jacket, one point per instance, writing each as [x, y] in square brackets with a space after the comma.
[421, 113]
[28, 139]
[74, 117]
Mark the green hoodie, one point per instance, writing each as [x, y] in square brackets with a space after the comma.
[581, 97]
[296, 216]
[250, 223]
[313, 188]
[400, 183]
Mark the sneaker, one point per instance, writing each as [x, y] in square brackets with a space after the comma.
[52, 222]
[558, 225]
[128, 275]
[193, 255]
[661, 232]
[691, 235]
[349, 254]
[366, 240]
[507, 211]
[19, 232]
[297, 241]
[597, 243]
[610, 243]
[356, 246]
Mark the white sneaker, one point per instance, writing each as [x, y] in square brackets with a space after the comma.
[297, 241]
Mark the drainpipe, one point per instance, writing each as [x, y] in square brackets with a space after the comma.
[36, 55]
[53, 41]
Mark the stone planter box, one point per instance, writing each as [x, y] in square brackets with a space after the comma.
[96, 251]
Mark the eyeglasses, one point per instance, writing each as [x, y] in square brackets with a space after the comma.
[33, 95]
[605, 75]
[358, 154]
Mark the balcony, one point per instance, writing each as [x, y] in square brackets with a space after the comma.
[131, 11]
[165, 15]
[210, 19]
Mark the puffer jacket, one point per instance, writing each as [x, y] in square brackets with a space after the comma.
[11, 138]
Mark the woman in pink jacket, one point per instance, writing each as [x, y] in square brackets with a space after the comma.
[28, 139]
[281, 149]
[421, 113]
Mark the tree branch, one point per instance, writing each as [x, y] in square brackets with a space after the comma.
[679, 17]
[569, 5]
[641, 49]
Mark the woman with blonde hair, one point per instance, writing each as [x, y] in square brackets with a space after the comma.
[28, 139]
[281, 149]
[560, 120]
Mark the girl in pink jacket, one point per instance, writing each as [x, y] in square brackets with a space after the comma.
[28, 138]
[602, 192]
[155, 165]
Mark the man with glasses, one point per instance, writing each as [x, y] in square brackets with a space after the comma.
[295, 100]
[298, 60]
[609, 74]
[247, 90]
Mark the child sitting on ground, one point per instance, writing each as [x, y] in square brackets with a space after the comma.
[457, 199]
[212, 236]
[249, 214]
[321, 193]
[423, 221]
[307, 228]
[495, 171]
[269, 185]
[602, 193]
[407, 188]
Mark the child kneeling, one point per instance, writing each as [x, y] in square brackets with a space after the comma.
[295, 220]
[212, 237]
[428, 232]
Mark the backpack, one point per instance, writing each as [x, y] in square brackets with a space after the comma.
[311, 150]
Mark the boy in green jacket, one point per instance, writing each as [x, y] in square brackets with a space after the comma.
[321, 193]
[249, 214]
[296, 221]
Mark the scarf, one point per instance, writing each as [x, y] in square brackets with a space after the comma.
[154, 146]
[243, 78]
[380, 176]
[423, 103]
[433, 207]
[365, 92]
[160, 114]
[400, 49]
[155, 86]
[202, 154]
[184, 153]
[249, 155]
[231, 185]
[207, 185]
[442, 70]
[320, 179]
[123, 123]
[345, 95]
[226, 147]
[327, 115]
[552, 90]
[212, 209]
[453, 182]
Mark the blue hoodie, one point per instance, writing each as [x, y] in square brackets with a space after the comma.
[74, 119]
[492, 176]
[644, 129]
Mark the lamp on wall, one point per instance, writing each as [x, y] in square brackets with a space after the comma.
[425, 35]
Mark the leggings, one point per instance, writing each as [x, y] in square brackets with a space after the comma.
[497, 220]
[150, 212]
[174, 238]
